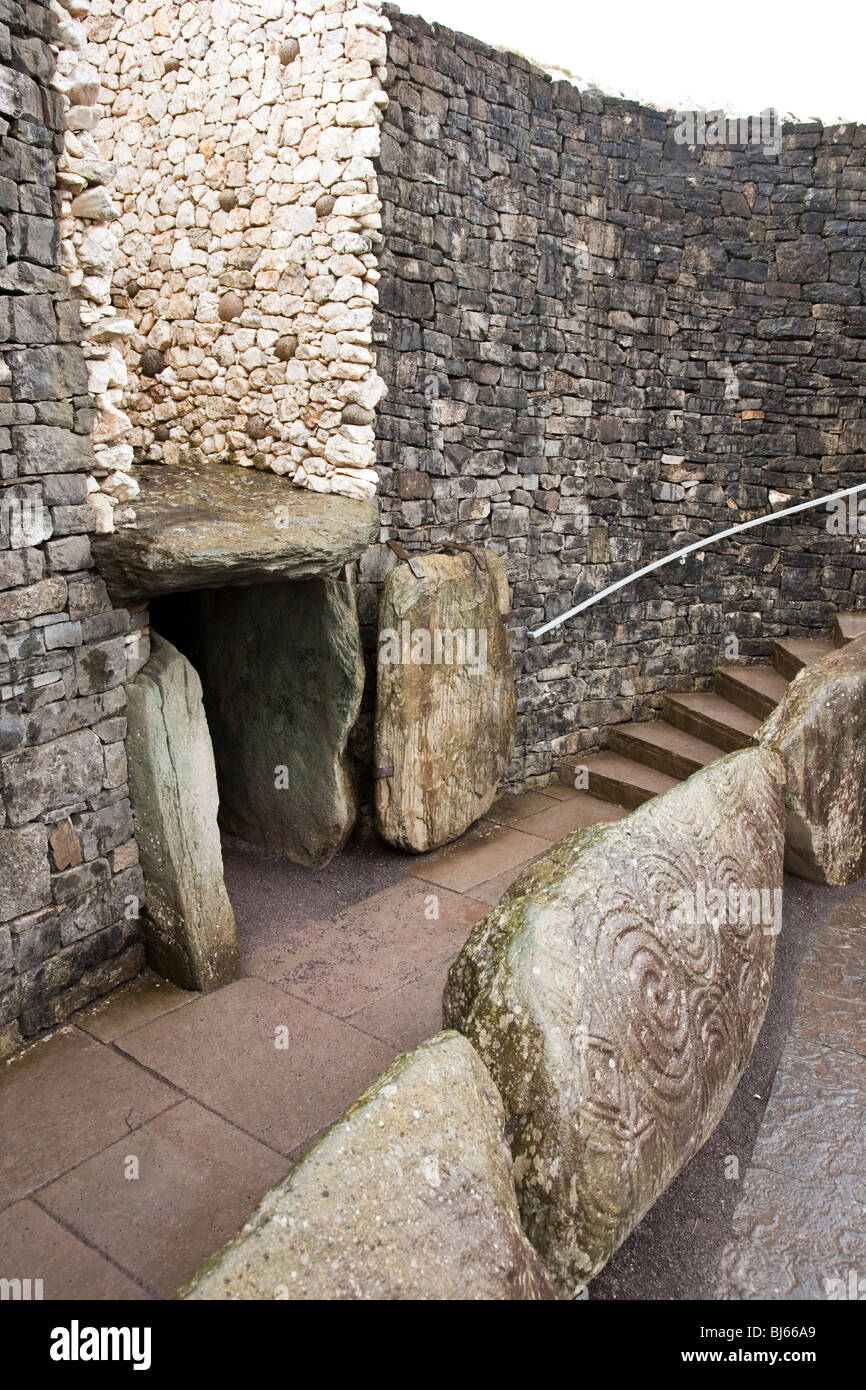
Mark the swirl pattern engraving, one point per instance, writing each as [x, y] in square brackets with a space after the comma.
[616, 993]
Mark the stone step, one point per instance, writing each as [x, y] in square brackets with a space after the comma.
[658, 744]
[616, 779]
[709, 716]
[756, 689]
[847, 627]
[791, 654]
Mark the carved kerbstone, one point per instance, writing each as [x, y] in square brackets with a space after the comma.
[819, 731]
[408, 1196]
[616, 993]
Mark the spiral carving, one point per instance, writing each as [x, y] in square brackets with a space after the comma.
[616, 993]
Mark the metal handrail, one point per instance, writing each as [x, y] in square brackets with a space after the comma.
[689, 549]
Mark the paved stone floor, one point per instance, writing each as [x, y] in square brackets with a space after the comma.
[138, 1138]
[799, 1230]
[135, 1141]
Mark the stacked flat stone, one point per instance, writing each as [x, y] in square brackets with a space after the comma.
[243, 137]
[89, 246]
[599, 345]
[70, 882]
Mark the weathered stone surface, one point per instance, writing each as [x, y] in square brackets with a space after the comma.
[190, 925]
[445, 698]
[615, 1015]
[211, 525]
[232, 313]
[282, 673]
[58, 773]
[799, 1229]
[819, 731]
[408, 1196]
[25, 885]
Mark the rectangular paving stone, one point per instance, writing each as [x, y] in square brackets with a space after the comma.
[493, 889]
[34, 1246]
[831, 1006]
[560, 792]
[132, 1006]
[272, 1064]
[376, 946]
[792, 1240]
[511, 808]
[481, 854]
[198, 1180]
[410, 1014]
[571, 814]
[65, 1099]
[813, 1126]
[837, 963]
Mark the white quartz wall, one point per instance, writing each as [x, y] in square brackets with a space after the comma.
[243, 134]
[89, 246]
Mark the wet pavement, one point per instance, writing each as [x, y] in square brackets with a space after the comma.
[139, 1137]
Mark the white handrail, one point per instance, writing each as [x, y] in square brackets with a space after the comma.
[688, 550]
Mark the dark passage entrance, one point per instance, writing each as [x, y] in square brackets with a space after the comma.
[281, 672]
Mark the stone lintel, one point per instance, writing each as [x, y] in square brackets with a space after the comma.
[210, 525]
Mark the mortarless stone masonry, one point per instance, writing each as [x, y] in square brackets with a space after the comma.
[243, 134]
[600, 345]
[69, 877]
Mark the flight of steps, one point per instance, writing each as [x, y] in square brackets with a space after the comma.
[643, 759]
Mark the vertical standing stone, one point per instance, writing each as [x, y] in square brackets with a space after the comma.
[444, 699]
[190, 926]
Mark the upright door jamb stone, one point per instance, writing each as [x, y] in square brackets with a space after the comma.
[189, 924]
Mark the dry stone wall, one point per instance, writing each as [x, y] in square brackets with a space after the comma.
[600, 345]
[243, 135]
[70, 883]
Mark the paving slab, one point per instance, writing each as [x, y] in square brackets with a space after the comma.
[374, 947]
[34, 1246]
[560, 792]
[793, 1241]
[131, 1006]
[570, 815]
[410, 1014]
[493, 889]
[272, 1064]
[64, 1099]
[198, 1180]
[513, 807]
[480, 854]
[799, 1230]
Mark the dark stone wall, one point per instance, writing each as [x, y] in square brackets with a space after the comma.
[601, 345]
[70, 884]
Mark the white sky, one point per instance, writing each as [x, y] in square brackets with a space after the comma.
[806, 60]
